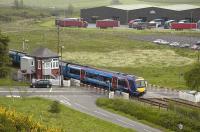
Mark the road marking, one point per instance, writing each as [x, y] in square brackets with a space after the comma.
[50, 90]
[125, 122]
[65, 102]
[147, 130]
[81, 106]
[65, 98]
[14, 96]
[101, 113]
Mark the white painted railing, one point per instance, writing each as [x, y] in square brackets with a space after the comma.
[190, 96]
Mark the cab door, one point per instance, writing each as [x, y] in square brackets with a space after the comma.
[114, 82]
[82, 74]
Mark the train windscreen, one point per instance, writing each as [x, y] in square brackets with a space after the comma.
[140, 83]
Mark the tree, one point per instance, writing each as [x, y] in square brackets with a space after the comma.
[16, 4]
[4, 58]
[192, 77]
[115, 2]
[55, 107]
[21, 4]
[70, 9]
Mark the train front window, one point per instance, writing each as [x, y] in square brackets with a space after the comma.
[140, 83]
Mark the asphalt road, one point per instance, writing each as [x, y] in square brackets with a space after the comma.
[81, 99]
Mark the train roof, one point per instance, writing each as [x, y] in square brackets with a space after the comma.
[99, 71]
[16, 51]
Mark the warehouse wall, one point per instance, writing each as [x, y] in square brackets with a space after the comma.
[188, 14]
[151, 13]
[98, 13]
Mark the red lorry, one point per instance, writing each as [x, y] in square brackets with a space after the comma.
[106, 23]
[71, 22]
[180, 26]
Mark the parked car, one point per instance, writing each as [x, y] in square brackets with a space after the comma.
[198, 43]
[159, 22]
[175, 44]
[41, 84]
[134, 21]
[184, 21]
[185, 46]
[160, 41]
[167, 24]
[195, 47]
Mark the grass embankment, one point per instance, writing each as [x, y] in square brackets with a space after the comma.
[188, 117]
[91, 3]
[9, 14]
[68, 119]
[114, 50]
[9, 82]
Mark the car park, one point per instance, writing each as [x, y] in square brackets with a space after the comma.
[41, 84]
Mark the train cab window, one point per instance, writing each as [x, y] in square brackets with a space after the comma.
[74, 71]
[122, 83]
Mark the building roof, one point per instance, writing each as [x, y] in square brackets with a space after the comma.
[43, 53]
[180, 7]
[130, 7]
[176, 7]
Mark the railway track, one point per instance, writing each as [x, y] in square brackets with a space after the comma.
[164, 102]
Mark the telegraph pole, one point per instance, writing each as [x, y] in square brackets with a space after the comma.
[58, 45]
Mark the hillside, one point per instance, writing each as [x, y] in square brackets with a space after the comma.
[91, 3]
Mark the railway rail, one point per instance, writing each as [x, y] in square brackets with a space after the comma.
[164, 102]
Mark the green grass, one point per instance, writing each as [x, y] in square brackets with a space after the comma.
[91, 3]
[9, 82]
[68, 119]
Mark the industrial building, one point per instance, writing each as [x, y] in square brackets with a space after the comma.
[124, 13]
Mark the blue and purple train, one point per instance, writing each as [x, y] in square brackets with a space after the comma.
[109, 80]
[135, 86]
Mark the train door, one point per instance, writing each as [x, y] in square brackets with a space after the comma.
[114, 82]
[82, 75]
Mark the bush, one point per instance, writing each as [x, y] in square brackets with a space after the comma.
[55, 107]
[11, 121]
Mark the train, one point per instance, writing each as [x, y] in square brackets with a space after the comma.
[15, 57]
[109, 80]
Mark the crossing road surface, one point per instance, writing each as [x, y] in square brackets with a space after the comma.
[83, 100]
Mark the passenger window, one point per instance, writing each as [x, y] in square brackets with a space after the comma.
[122, 83]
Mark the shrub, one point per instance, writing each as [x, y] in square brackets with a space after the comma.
[55, 107]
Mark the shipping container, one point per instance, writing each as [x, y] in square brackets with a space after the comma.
[107, 23]
[180, 26]
[71, 22]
